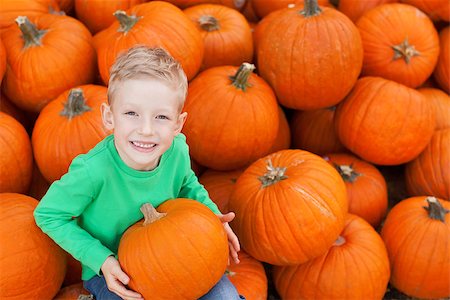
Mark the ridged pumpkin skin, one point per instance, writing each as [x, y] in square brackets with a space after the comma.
[186, 249]
[355, 9]
[442, 71]
[237, 4]
[183, 40]
[9, 10]
[249, 277]
[435, 9]
[314, 131]
[366, 187]
[429, 173]
[307, 72]
[38, 74]
[231, 122]
[384, 122]
[356, 266]
[98, 15]
[16, 163]
[288, 216]
[400, 43]
[265, 7]
[226, 35]
[419, 247]
[441, 103]
[32, 265]
[68, 126]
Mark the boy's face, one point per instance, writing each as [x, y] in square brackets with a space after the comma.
[145, 116]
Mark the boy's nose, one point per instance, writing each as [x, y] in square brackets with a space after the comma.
[146, 127]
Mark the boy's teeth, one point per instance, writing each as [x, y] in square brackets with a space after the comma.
[143, 145]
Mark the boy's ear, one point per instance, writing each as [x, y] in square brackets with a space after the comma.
[107, 116]
[181, 119]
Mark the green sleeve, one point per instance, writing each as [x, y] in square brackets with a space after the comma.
[56, 215]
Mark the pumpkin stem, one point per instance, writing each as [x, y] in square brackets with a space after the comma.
[435, 209]
[151, 214]
[340, 241]
[30, 34]
[126, 22]
[347, 172]
[273, 175]
[405, 51]
[240, 79]
[229, 273]
[85, 297]
[208, 23]
[311, 9]
[75, 104]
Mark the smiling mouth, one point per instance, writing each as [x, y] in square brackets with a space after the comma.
[143, 145]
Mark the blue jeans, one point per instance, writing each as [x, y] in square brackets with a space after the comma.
[223, 290]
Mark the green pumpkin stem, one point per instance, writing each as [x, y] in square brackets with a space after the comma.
[75, 104]
[126, 22]
[435, 209]
[347, 172]
[273, 175]
[30, 34]
[151, 214]
[405, 50]
[208, 23]
[240, 79]
[311, 9]
[229, 273]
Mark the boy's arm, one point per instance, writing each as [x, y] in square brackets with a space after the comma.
[65, 200]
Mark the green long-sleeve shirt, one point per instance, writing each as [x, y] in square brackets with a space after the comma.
[89, 208]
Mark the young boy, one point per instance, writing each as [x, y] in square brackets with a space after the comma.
[146, 159]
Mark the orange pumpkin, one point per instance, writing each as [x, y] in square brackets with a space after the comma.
[237, 4]
[283, 139]
[384, 122]
[46, 57]
[429, 173]
[355, 9]
[16, 163]
[220, 185]
[226, 35]
[10, 10]
[265, 7]
[188, 250]
[366, 187]
[442, 71]
[8, 107]
[249, 277]
[237, 99]
[69, 125]
[32, 265]
[290, 207]
[356, 266]
[400, 43]
[290, 62]
[148, 24]
[435, 9]
[417, 237]
[98, 15]
[441, 103]
[314, 131]
[2, 60]
[249, 12]
[73, 273]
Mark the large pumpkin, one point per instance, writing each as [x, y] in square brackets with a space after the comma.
[290, 207]
[417, 237]
[356, 266]
[384, 122]
[429, 173]
[355, 9]
[226, 35]
[149, 24]
[306, 70]
[366, 187]
[441, 103]
[46, 57]
[442, 71]
[32, 265]
[183, 245]
[16, 163]
[232, 119]
[69, 125]
[400, 43]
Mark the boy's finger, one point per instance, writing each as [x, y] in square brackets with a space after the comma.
[124, 293]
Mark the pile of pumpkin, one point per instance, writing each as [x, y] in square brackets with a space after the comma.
[294, 148]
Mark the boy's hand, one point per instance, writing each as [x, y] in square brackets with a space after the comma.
[116, 279]
[233, 241]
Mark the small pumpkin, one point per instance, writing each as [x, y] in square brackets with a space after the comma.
[416, 233]
[442, 72]
[356, 266]
[32, 265]
[175, 246]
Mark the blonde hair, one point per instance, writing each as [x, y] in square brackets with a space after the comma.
[141, 61]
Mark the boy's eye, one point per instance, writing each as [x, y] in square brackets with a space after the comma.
[131, 113]
[162, 117]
